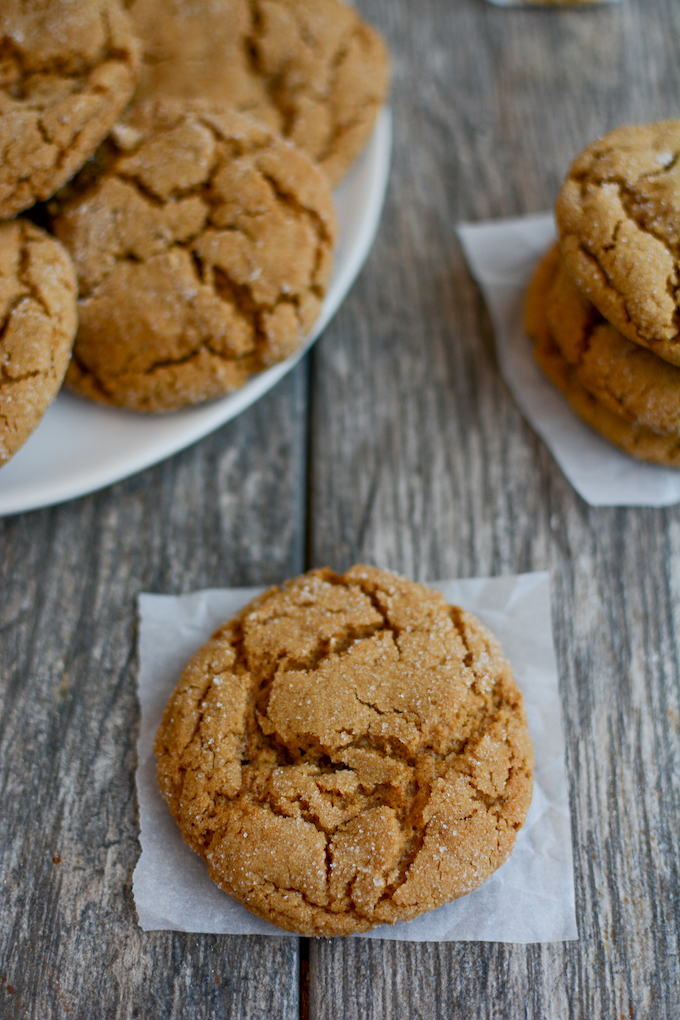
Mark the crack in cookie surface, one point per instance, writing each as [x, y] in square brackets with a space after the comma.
[625, 377]
[348, 751]
[311, 69]
[66, 72]
[329, 93]
[619, 219]
[613, 385]
[37, 327]
[203, 249]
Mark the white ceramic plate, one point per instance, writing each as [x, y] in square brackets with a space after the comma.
[80, 447]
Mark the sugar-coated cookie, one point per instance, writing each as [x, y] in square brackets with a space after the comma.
[203, 248]
[312, 69]
[635, 439]
[349, 750]
[618, 215]
[37, 325]
[625, 377]
[67, 70]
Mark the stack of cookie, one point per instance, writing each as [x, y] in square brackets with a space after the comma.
[602, 308]
[200, 222]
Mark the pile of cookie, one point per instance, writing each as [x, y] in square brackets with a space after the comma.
[603, 307]
[175, 163]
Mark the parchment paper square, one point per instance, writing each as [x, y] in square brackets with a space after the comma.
[502, 255]
[529, 899]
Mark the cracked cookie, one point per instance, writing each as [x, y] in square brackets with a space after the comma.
[203, 250]
[599, 408]
[37, 325]
[67, 70]
[626, 378]
[310, 69]
[618, 215]
[348, 751]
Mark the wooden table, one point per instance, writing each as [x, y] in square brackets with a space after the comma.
[397, 443]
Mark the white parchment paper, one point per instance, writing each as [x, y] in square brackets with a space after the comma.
[529, 899]
[502, 256]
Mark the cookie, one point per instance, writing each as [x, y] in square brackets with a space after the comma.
[38, 321]
[637, 440]
[348, 751]
[203, 250]
[626, 378]
[311, 69]
[618, 215]
[67, 70]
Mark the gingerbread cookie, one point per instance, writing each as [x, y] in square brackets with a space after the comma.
[637, 440]
[626, 378]
[311, 69]
[203, 252]
[67, 70]
[348, 751]
[619, 220]
[37, 325]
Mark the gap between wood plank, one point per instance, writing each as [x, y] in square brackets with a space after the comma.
[303, 951]
[303, 944]
[309, 460]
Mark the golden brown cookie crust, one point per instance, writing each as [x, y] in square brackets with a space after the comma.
[348, 751]
[67, 70]
[203, 254]
[628, 379]
[37, 325]
[311, 69]
[636, 440]
[619, 221]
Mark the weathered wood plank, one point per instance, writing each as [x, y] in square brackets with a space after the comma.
[420, 461]
[227, 511]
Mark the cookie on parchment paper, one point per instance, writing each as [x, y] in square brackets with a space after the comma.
[67, 70]
[628, 379]
[618, 215]
[599, 408]
[203, 250]
[37, 325]
[311, 69]
[348, 751]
